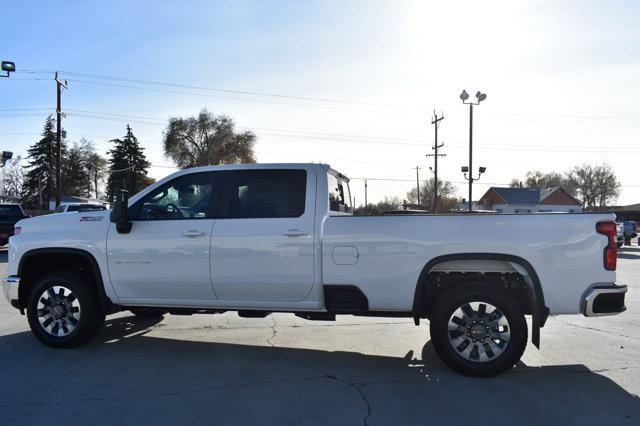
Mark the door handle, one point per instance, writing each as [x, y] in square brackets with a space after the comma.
[193, 233]
[293, 233]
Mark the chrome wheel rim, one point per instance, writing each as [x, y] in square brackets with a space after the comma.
[58, 311]
[478, 331]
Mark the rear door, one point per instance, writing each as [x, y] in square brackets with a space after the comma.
[263, 239]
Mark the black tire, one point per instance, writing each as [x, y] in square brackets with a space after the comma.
[464, 294]
[85, 295]
[143, 312]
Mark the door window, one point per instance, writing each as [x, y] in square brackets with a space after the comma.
[186, 197]
[266, 194]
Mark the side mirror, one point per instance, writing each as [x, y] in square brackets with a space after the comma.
[120, 212]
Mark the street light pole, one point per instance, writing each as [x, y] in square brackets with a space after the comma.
[470, 156]
[479, 98]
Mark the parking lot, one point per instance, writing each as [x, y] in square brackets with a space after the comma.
[281, 369]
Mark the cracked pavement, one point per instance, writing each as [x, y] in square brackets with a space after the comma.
[284, 370]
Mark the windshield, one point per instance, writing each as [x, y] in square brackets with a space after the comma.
[86, 208]
[10, 210]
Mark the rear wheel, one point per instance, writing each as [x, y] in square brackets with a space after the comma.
[64, 309]
[478, 330]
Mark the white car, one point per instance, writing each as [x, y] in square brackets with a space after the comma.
[79, 207]
[265, 238]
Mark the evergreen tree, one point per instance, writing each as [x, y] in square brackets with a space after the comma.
[40, 180]
[77, 177]
[127, 166]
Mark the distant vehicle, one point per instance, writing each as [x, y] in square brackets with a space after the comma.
[9, 215]
[629, 229]
[80, 207]
[620, 232]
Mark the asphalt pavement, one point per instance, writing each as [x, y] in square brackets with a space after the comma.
[222, 369]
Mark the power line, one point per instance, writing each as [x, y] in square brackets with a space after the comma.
[26, 109]
[235, 91]
[115, 115]
[24, 114]
[533, 114]
[358, 138]
[296, 97]
[233, 98]
[313, 135]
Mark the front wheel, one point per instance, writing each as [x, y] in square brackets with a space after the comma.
[64, 309]
[478, 330]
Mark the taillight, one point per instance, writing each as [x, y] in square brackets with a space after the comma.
[17, 230]
[610, 253]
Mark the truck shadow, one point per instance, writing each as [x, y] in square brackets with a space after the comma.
[126, 374]
[629, 252]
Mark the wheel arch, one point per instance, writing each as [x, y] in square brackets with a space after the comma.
[65, 253]
[539, 309]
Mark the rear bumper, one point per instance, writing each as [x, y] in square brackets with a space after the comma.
[605, 300]
[10, 286]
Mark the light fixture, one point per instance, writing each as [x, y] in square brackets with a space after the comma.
[465, 169]
[8, 67]
[482, 170]
[464, 95]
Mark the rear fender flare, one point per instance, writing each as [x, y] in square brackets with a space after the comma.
[540, 311]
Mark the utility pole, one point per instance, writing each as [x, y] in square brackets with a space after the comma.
[59, 86]
[40, 190]
[366, 206]
[436, 123]
[418, 182]
[95, 182]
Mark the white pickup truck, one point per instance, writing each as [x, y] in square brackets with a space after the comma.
[266, 238]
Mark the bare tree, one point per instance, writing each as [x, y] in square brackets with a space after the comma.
[386, 205]
[539, 179]
[516, 183]
[597, 185]
[446, 192]
[207, 139]
[11, 180]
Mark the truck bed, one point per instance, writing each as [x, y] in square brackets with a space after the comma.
[378, 252]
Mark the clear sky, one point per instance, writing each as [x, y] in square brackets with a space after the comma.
[562, 80]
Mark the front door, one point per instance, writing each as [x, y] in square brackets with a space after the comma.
[166, 254]
[262, 245]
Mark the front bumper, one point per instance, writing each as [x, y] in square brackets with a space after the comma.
[605, 300]
[10, 286]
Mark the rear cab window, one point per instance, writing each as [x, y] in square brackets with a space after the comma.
[265, 193]
[339, 193]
